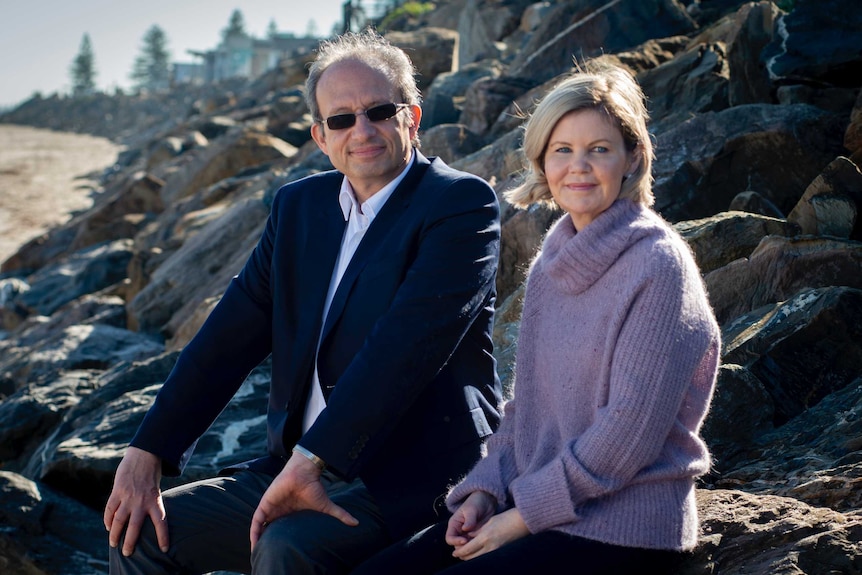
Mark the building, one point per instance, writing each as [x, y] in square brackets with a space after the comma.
[242, 56]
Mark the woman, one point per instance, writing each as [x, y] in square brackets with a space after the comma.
[594, 464]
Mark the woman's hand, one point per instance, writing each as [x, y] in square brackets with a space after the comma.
[498, 530]
[472, 514]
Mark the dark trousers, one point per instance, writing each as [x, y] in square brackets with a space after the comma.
[427, 553]
[209, 523]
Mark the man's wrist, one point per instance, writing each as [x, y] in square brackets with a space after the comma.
[317, 461]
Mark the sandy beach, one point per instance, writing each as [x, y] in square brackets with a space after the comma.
[45, 177]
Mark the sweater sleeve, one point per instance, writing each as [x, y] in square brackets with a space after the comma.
[666, 331]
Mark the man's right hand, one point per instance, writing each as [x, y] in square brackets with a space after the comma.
[136, 496]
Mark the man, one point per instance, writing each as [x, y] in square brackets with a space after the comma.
[373, 288]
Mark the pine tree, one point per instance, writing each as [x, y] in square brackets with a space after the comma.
[272, 30]
[83, 69]
[151, 70]
[236, 26]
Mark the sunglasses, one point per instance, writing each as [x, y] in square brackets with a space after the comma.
[375, 114]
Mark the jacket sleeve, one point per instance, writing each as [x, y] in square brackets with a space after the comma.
[235, 338]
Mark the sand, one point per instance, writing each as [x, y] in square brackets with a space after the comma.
[45, 177]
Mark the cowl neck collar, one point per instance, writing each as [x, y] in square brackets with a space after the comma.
[575, 260]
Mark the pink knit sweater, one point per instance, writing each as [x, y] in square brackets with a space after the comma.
[617, 358]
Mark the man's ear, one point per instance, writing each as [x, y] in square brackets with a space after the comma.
[416, 118]
[319, 136]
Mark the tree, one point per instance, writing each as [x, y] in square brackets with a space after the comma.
[151, 70]
[83, 69]
[236, 26]
[271, 30]
[311, 29]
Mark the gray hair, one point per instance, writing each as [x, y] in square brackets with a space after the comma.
[372, 50]
[604, 87]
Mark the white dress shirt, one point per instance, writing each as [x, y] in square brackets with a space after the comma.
[358, 217]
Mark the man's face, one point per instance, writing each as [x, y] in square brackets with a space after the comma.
[369, 153]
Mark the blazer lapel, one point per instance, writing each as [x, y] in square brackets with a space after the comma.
[325, 227]
[374, 236]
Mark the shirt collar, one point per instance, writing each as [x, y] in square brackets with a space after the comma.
[347, 198]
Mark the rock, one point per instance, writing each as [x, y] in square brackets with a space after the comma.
[752, 202]
[225, 242]
[803, 54]
[86, 271]
[728, 236]
[94, 346]
[497, 161]
[445, 96]
[744, 533]
[122, 214]
[227, 156]
[740, 413]
[450, 142]
[521, 239]
[704, 162]
[853, 134]
[778, 269]
[801, 349]
[45, 533]
[694, 82]
[481, 25]
[812, 458]
[574, 30]
[830, 204]
[432, 51]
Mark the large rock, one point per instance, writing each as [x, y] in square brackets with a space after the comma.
[181, 282]
[746, 534]
[239, 149]
[433, 51]
[45, 533]
[83, 272]
[728, 236]
[802, 349]
[813, 458]
[804, 52]
[830, 205]
[694, 82]
[778, 269]
[704, 162]
[578, 29]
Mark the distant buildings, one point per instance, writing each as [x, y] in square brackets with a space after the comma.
[240, 56]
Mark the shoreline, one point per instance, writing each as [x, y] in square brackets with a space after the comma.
[45, 178]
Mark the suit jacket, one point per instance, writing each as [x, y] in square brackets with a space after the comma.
[405, 359]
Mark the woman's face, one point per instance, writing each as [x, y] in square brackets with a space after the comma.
[585, 162]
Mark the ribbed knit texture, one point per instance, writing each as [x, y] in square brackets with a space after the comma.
[617, 358]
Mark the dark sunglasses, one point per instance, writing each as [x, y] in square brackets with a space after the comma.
[375, 114]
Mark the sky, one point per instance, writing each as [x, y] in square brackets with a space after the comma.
[40, 38]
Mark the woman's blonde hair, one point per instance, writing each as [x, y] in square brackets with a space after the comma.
[600, 86]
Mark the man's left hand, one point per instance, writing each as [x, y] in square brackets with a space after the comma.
[297, 487]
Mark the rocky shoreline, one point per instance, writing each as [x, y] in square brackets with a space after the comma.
[757, 120]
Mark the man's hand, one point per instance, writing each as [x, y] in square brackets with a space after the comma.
[297, 487]
[136, 496]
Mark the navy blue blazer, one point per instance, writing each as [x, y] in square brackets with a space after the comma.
[405, 359]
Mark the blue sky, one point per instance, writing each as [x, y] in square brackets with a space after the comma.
[40, 38]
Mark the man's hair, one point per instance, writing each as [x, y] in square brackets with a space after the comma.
[372, 50]
[609, 89]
